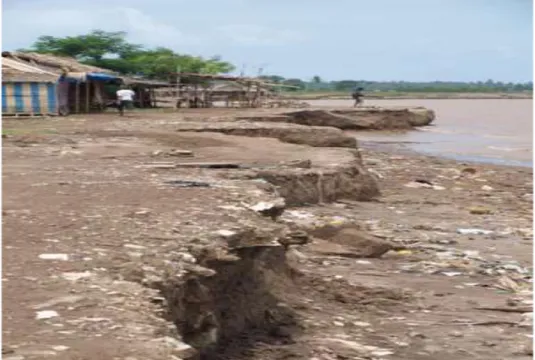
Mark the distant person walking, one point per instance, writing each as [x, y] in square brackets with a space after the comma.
[358, 95]
[125, 99]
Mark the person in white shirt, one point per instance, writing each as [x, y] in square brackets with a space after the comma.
[125, 99]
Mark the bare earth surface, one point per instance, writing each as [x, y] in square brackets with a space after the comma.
[94, 217]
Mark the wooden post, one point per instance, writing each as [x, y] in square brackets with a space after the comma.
[87, 95]
[77, 98]
[257, 96]
[248, 96]
[141, 95]
[154, 102]
[178, 86]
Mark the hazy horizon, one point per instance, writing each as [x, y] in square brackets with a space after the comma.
[383, 40]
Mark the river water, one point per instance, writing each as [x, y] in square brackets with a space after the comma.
[496, 131]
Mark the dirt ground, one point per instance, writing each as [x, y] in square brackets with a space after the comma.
[92, 213]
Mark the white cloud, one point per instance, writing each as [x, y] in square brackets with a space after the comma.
[245, 34]
[147, 30]
[24, 23]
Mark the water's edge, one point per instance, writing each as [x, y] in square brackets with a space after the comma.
[405, 148]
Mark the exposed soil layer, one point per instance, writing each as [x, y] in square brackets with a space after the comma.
[294, 134]
[364, 118]
[112, 250]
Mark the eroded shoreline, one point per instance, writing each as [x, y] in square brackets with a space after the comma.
[171, 256]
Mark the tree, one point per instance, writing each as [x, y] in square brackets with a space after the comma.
[93, 46]
[273, 78]
[110, 50]
[345, 85]
[297, 84]
[316, 79]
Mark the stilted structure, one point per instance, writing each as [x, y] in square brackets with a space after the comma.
[205, 91]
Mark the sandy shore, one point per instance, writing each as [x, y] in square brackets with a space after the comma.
[112, 242]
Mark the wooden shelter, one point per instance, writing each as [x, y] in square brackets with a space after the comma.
[145, 90]
[204, 90]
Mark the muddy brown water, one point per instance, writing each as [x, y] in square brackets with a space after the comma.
[496, 131]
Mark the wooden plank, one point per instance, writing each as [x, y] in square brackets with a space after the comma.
[209, 165]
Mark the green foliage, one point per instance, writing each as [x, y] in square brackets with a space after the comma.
[297, 84]
[273, 79]
[413, 87]
[93, 46]
[110, 50]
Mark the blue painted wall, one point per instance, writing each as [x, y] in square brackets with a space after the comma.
[29, 98]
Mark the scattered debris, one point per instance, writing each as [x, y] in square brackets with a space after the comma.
[61, 257]
[174, 152]
[451, 273]
[46, 314]
[508, 284]
[209, 165]
[60, 348]
[67, 299]
[424, 184]
[162, 166]
[187, 183]
[272, 209]
[474, 231]
[226, 233]
[75, 276]
[176, 347]
[479, 210]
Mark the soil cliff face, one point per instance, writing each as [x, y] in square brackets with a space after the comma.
[370, 118]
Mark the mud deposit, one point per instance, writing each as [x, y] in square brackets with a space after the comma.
[156, 236]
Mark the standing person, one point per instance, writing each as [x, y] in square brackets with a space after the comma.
[357, 95]
[125, 99]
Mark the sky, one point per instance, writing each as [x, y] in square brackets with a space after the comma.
[381, 40]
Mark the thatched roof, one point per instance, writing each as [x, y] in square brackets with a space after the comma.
[235, 87]
[237, 79]
[19, 76]
[16, 71]
[52, 63]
